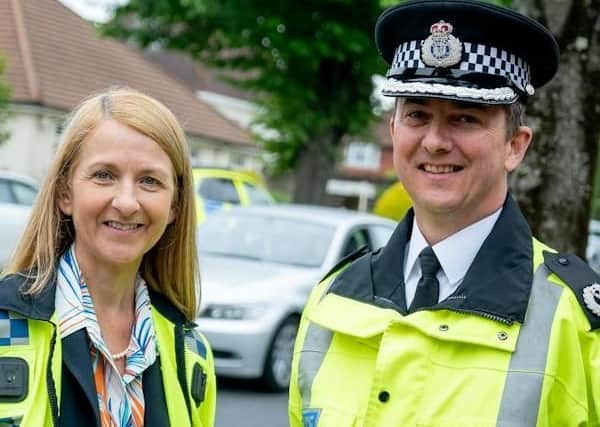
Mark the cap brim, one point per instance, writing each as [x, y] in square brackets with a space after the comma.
[397, 88]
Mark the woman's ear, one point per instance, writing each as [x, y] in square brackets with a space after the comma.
[172, 213]
[65, 203]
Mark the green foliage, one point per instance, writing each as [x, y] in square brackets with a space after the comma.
[4, 99]
[308, 63]
[393, 202]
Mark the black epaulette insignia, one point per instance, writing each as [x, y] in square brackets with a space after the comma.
[348, 259]
[580, 277]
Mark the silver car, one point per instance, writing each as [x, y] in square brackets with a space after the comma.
[17, 194]
[258, 265]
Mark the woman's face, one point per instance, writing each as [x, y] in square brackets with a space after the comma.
[120, 197]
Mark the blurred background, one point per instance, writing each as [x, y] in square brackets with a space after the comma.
[280, 104]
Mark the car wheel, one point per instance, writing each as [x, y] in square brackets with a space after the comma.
[278, 363]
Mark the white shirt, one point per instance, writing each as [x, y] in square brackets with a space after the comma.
[455, 254]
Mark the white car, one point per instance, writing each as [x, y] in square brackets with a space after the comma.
[17, 194]
[13, 219]
[258, 265]
[593, 245]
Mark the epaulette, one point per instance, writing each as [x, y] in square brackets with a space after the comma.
[348, 259]
[13, 329]
[580, 277]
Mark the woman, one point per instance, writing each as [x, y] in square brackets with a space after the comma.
[97, 303]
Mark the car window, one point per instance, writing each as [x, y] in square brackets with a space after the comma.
[256, 195]
[380, 234]
[218, 189]
[356, 240]
[24, 194]
[265, 238]
[5, 193]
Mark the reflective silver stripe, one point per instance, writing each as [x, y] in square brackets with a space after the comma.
[315, 347]
[523, 388]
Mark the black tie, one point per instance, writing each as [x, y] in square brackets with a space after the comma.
[428, 288]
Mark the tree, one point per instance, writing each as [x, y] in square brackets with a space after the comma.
[4, 99]
[310, 65]
[554, 185]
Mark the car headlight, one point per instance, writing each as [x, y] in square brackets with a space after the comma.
[233, 311]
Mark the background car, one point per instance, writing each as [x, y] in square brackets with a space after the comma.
[258, 265]
[220, 188]
[17, 194]
[17, 189]
[593, 245]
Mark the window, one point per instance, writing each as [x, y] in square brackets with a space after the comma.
[265, 238]
[357, 239]
[5, 193]
[380, 235]
[24, 194]
[218, 189]
[362, 155]
[256, 195]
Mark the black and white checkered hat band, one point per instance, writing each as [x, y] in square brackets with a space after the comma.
[477, 58]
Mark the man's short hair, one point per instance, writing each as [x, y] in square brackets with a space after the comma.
[515, 116]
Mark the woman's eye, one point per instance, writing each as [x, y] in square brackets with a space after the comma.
[102, 175]
[148, 180]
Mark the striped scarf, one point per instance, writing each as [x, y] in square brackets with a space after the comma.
[120, 398]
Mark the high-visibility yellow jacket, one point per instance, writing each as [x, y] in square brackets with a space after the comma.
[517, 344]
[48, 381]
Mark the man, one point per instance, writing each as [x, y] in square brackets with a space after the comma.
[463, 319]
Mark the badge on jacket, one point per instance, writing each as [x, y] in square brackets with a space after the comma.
[591, 297]
[310, 417]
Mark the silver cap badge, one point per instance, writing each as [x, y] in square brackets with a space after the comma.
[591, 297]
[441, 48]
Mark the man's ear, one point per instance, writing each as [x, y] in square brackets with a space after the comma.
[516, 147]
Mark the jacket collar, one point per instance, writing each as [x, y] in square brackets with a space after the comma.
[13, 297]
[497, 285]
[41, 306]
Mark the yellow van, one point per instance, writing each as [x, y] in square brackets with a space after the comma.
[221, 188]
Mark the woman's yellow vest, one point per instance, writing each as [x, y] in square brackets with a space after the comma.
[31, 358]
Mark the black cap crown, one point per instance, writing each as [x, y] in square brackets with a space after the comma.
[464, 49]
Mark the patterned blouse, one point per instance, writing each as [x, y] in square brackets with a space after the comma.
[120, 398]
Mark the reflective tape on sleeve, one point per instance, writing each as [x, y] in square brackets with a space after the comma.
[315, 347]
[523, 387]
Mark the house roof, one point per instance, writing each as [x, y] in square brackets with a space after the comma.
[56, 59]
[197, 76]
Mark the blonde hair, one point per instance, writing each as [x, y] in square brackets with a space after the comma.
[171, 266]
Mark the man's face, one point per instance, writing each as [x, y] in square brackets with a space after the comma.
[453, 158]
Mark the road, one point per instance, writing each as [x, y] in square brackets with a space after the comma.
[243, 404]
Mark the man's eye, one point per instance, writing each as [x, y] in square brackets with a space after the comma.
[415, 114]
[465, 118]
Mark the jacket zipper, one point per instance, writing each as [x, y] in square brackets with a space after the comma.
[50, 380]
[181, 366]
[507, 322]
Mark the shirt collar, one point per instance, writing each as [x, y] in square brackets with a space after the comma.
[497, 285]
[456, 252]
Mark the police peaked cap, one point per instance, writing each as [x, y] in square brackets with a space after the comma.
[464, 50]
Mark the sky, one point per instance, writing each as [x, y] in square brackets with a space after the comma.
[93, 10]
